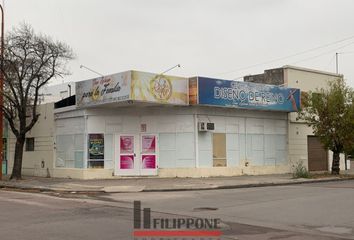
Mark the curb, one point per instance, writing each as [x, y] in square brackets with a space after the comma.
[238, 186]
[54, 190]
[252, 185]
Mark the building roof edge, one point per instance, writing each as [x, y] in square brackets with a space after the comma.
[311, 70]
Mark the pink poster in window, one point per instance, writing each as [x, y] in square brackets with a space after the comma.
[149, 161]
[127, 162]
[126, 144]
[149, 143]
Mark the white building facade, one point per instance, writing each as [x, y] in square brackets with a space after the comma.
[243, 142]
[140, 124]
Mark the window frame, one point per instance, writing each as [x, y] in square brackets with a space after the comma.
[30, 144]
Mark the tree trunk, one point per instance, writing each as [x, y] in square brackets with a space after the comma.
[17, 168]
[335, 163]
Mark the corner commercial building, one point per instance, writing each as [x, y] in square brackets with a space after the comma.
[135, 123]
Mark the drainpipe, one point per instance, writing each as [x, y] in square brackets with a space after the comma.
[196, 142]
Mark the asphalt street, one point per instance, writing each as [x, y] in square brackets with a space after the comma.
[307, 211]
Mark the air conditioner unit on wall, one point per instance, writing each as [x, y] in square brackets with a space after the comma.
[206, 126]
[210, 126]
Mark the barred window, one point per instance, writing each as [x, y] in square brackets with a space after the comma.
[29, 144]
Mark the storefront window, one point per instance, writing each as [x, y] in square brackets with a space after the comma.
[70, 151]
[95, 151]
[219, 149]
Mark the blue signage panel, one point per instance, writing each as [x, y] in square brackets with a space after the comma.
[247, 95]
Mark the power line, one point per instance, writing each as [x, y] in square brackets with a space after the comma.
[351, 52]
[324, 53]
[289, 56]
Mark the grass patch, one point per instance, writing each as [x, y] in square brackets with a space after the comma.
[300, 171]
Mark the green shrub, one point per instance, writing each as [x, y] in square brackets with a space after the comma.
[300, 171]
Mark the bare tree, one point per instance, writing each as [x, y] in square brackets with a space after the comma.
[30, 61]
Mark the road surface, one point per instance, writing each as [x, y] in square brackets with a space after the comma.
[308, 211]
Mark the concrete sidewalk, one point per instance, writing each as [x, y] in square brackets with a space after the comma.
[151, 184]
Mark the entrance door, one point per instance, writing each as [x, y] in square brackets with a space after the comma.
[127, 163]
[136, 154]
[317, 154]
[219, 150]
[148, 156]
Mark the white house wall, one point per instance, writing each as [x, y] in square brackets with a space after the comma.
[40, 161]
[298, 133]
[306, 80]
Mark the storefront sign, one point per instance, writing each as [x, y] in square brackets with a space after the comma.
[132, 86]
[149, 87]
[108, 89]
[247, 95]
[193, 91]
[96, 146]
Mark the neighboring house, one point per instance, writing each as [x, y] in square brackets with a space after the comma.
[39, 146]
[38, 150]
[303, 146]
[57, 92]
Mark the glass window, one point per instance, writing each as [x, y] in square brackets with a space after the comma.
[29, 144]
[95, 150]
[70, 151]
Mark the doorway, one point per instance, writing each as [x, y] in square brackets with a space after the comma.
[317, 154]
[219, 150]
[136, 154]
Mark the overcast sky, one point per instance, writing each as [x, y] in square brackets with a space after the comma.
[214, 38]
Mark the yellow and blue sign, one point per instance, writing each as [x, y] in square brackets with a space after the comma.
[224, 93]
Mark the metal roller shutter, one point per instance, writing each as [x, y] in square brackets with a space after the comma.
[317, 155]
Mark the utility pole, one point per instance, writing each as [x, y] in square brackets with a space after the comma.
[69, 86]
[345, 155]
[337, 62]
[1, 92]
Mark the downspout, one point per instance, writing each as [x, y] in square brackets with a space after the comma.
[196, 140]
[85, 141]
